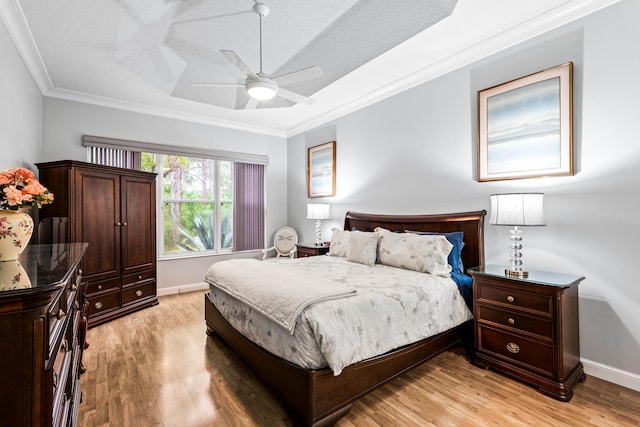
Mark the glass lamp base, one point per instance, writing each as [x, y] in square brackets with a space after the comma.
[521, 274]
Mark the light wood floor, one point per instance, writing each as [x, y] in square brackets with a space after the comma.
[157, 367]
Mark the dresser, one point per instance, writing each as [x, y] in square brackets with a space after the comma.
[114, 210]
[528, 328]
[42, 331]
[310, 249]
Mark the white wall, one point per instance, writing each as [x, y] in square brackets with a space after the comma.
[20, 109]
[416, 153]
[65, 122]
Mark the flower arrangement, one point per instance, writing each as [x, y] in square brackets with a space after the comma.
[19, 187]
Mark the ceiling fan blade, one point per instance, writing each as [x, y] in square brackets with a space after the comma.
[295, 97]
[207, 18]
[251, 104]
[235, 59]
[309, 73]
[216, 84]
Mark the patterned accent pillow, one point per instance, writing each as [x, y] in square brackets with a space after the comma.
[363, 248]
[426, 254]
[339, 242]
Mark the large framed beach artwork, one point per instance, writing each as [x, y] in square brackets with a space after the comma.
[525, 126]
[321, 169]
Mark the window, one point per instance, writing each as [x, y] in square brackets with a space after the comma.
[196, 202]
[208, 201]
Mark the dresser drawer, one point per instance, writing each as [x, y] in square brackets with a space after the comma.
[56, 316]
[517, 350]
[516, 299]
[103, 286]
[138, 277]
[61, 371]
[103, 302]
[138, 292]
[543, 328]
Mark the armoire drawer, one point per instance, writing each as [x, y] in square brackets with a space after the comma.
[103, 286]
[138, 292]
[138, 277]
[103, 302]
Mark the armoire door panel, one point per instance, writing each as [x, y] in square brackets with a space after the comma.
[138, 213]
[98, 219]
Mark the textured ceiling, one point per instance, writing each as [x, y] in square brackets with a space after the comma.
[142, 55]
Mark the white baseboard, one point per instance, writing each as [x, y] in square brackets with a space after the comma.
[613, 375]
[182, 289]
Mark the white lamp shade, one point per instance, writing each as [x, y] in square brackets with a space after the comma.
[318, 211]
[517, 209]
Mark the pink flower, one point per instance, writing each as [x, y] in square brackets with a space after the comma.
[20, 187]
[13, 195]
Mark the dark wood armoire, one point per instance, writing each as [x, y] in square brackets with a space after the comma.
[114, 211]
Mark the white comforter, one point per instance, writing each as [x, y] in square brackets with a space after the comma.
[393, 307]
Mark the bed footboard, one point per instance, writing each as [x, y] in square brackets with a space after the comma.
[317, 397]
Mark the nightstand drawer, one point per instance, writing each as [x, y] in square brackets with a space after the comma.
[518, 350]
[516, 299]
[543, 328]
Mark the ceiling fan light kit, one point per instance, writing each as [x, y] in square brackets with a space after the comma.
[261, 89]
[261, 86]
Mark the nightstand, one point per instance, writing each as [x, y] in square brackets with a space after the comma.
[310, 249]
[528, 328]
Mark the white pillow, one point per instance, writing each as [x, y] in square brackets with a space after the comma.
[339, 242]
[424, 253]
[363, 248]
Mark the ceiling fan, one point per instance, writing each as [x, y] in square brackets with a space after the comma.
[261, 86]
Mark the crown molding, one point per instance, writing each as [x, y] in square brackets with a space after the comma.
[505, 39]
[19, 30]
[153, 110]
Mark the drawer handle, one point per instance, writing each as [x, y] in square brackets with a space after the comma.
[98, 305]
[118, 224]
[140, 277]
[76, 305]
[59, 314]
[125, 224]
[138, 293]
[65, 345]
[99, 287]
[74, 287]
[510, 298]
[513, 348]
[55, 380]
[511, 321]
[80, 272]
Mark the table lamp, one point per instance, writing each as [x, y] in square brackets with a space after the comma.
[318, 211]
[517, 209]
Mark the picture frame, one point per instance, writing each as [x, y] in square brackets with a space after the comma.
[525, 126]
[321, 170]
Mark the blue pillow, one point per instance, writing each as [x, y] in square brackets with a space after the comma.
[456, 238]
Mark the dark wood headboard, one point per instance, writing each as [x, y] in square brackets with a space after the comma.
[471, 223]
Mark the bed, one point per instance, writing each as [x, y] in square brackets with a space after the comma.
[318, 397]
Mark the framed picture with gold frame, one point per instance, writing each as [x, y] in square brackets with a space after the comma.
[321, 168]
[525, 126]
